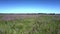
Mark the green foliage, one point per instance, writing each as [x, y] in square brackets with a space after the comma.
[33, 25]
[1, 17]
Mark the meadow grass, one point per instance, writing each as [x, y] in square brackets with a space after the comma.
[1, 17]
[33, 25]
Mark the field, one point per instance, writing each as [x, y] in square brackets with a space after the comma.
[29, 24]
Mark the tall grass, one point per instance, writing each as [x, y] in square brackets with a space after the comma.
[1, 17]
[33, 25]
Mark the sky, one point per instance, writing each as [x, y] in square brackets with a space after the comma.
[29, 6]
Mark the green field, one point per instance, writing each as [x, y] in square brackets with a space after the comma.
[31, 25]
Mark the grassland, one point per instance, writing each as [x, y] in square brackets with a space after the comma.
[31, 25]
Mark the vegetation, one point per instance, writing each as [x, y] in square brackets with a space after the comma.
[1, 17]
[33, 25]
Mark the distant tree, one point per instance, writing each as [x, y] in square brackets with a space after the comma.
[52, 14]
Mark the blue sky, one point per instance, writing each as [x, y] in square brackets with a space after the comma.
[29, 6]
